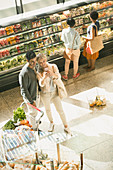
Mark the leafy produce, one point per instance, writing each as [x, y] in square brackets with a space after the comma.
[9, 125]
[19, 114]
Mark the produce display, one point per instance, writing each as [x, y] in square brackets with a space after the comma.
[44, 33]
[19, 119]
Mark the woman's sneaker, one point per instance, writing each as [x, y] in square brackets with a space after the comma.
[64, 77]
[77, 75]
[51, 127]
[68, 131]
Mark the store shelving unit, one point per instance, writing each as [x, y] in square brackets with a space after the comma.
[39, 30]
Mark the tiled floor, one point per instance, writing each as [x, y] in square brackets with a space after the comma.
[93, 128]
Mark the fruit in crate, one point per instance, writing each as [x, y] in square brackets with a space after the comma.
[99, 101]
[92, 104]
[1, 66]
[7, 63]
[9, 30]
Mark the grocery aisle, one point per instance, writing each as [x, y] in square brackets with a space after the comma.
[93, 127]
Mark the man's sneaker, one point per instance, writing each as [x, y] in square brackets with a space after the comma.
[64, 77]
[67, 130]
[51, 127]
[77, 75]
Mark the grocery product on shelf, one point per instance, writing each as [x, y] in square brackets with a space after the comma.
[9, 30]
[17, 28]
[2, 32]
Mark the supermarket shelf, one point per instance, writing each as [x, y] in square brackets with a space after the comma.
[110, 26]
[30, 40]
[50, 24]
[51, 58]
[35, 49]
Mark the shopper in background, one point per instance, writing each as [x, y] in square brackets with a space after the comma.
[28, 86]
[46, 75]
[71, 39]
[92, 31]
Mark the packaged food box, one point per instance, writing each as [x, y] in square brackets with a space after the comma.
[36, 34]
[48, 20]
[26, 36]
[45, 32]
[50, 30]
[43, 21]
[54, 28]
[31, 35]
[34, 24]
[40, 33]
[24, 26]
[26, 47]
[38, 23]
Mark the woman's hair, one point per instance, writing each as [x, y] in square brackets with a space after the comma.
[40, 56]
[94, 15]
[71, 22]
[30, 55]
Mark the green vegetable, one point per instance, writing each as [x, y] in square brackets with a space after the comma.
[19, 114]
[9, 125]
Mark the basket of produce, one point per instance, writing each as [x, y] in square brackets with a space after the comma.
[99, 101]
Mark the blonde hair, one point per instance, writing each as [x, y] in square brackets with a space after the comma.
[40, 56]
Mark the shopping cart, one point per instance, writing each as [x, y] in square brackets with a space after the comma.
[38, 122]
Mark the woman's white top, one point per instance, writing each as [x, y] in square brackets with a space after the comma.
[67, 37]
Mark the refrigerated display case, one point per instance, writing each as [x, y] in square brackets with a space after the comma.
[40, 30]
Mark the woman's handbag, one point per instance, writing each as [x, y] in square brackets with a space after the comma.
[95, 44]
[66, 56]
[69, 57]
[61, 88]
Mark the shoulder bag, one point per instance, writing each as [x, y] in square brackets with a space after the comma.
[95, 45]
[60, 86]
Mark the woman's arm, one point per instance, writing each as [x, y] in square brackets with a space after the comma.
[92, 34]
[56, 73]
[41, 78]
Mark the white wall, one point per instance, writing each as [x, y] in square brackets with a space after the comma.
[7, 7]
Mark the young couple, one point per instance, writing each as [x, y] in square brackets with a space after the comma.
[45, 76]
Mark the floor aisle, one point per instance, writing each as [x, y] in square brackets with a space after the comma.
[93, 127]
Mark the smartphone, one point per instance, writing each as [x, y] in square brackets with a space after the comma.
[46, 69]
